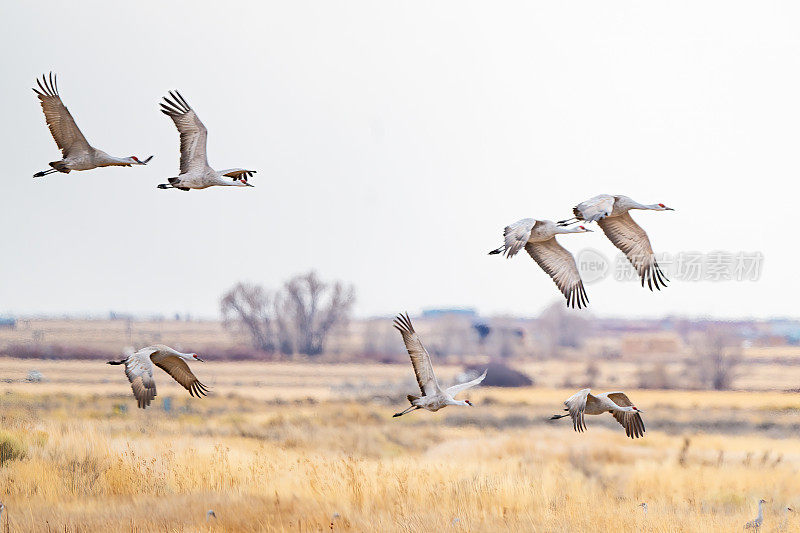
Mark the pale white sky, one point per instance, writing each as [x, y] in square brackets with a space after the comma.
[393, 141]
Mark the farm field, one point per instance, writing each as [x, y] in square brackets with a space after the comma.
[109, 334]
[325, 454]
[761, 368]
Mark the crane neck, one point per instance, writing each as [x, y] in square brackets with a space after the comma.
[220, 180]
[575, 229]
[110, 160]
[637, 205]
[452, 401]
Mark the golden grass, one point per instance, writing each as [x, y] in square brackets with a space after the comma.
[275, 466]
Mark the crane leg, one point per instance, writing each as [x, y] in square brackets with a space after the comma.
[498, 250]
[412, 408]
[44, 172]
[567, 222]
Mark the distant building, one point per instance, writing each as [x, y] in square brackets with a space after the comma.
[789, 330]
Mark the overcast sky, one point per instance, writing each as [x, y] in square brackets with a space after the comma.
[393, 142]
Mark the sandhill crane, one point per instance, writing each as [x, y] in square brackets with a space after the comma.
[539, 239]
[210, 514]
[643, 505]
[617, 403]
[611, 214]
[433, 397]
[75, 149]
[139, 369]
[195, 171]
[757, 521]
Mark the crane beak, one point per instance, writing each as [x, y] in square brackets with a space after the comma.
[146, 160]
[249, 184]
[199, 359]
[669, 209]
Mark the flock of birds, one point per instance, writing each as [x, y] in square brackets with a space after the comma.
[140, 365]
[611, 213]
[537, 236]
[78, 154]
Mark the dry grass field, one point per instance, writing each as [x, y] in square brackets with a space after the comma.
[292, 447]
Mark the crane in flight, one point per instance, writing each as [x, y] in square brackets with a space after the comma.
[617, 403]
[432, 397]
[76, 152]
[611, 214]
[139, 369]
[195, 172]
[538, 237]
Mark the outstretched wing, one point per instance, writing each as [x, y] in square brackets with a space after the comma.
[629, 237]
[455, 389]
[560, 265]
[420, 359]
[630, 420]
[139, 369]
[517, 234]
[239, 174]
[180, 372]
[193, 133]
[576, 405]
[595, 208]
[62, 126]
[620, 398]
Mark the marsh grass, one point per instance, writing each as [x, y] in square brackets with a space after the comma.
[82, 464]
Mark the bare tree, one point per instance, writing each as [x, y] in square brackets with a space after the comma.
[296, 319]
[306, 310]
[250, 307]
[283, 331]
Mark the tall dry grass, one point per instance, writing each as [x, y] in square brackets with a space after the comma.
[87, 465]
